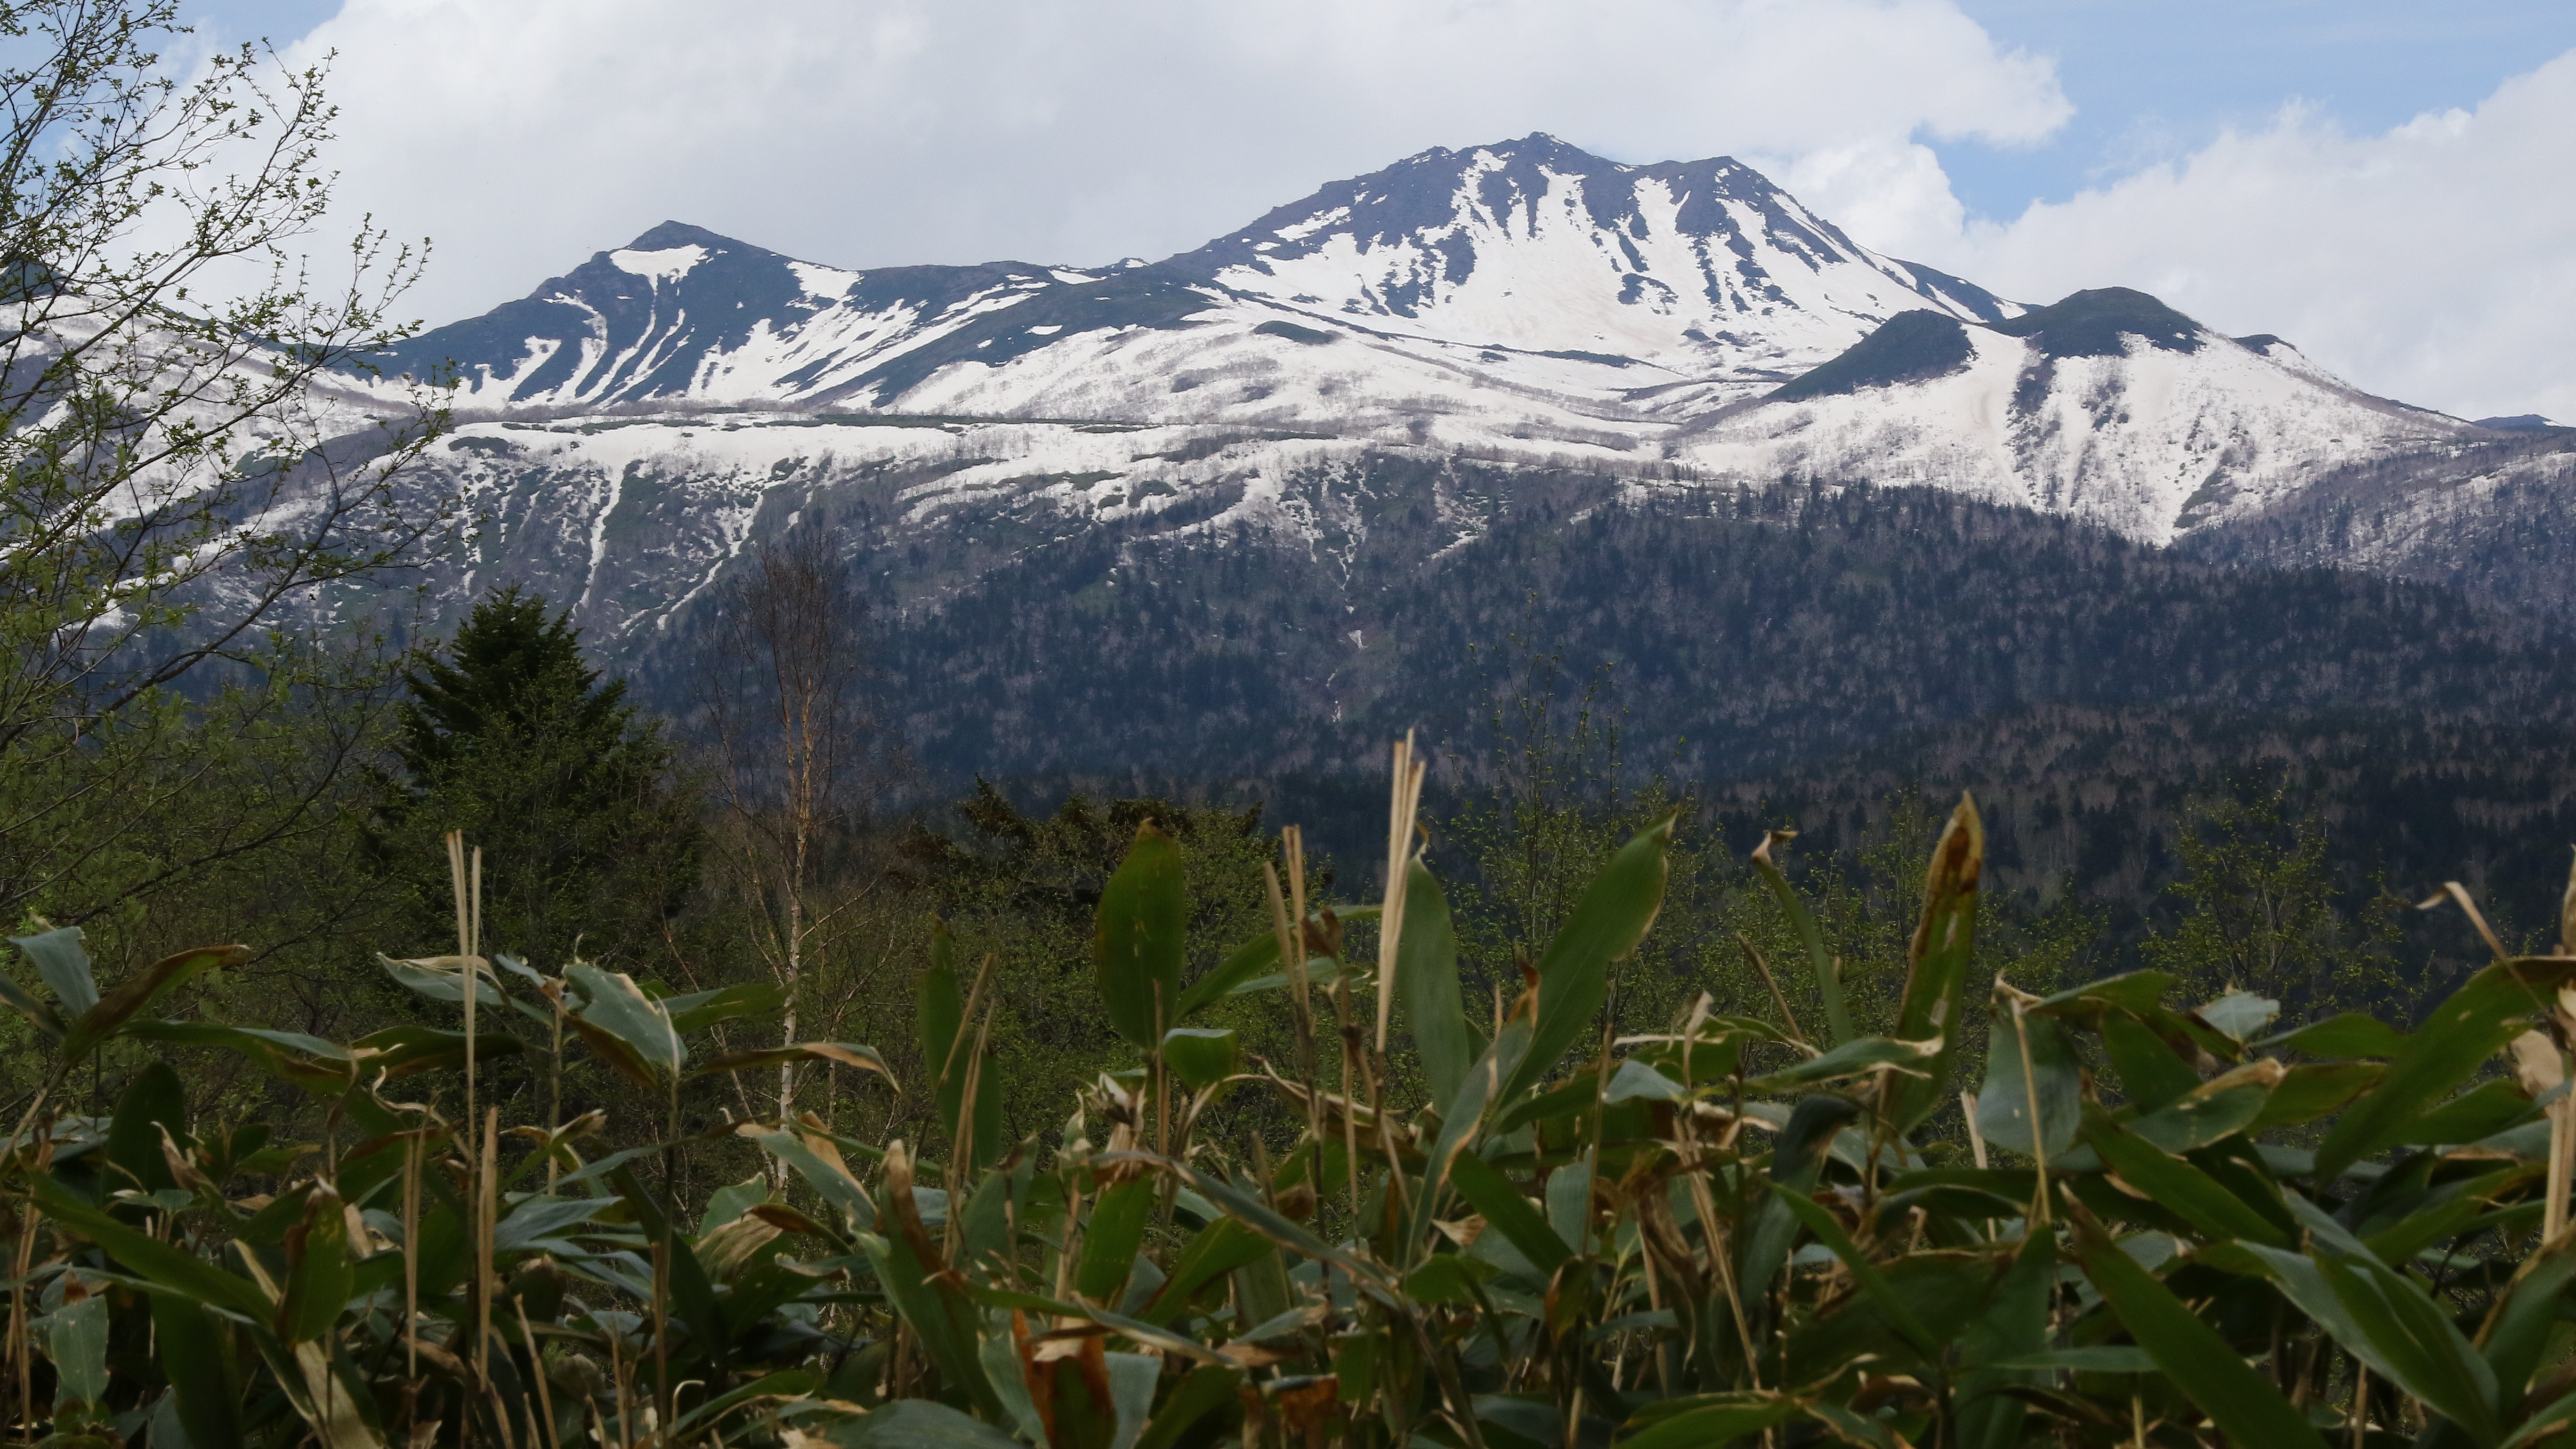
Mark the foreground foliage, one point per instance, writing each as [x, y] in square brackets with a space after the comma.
[2149, 1222]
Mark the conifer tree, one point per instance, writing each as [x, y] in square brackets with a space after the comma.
[590, 833]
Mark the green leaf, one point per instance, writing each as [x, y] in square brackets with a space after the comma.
[2221, 1107]
[1797, 1160]
[699, 1010]
[2239, 1014]
[1715, 1424]
[442, 978]
[2015, 1324]
[2353, 1034]
[1235, 975]
[2312, 1090]
[1139, 945]
[2151, 1072]
[1426, 975]
[1607, 923]
[318, 1274]
[307, 1060]
[402, 1051]
[1209, 1389]
[165, 1264]
[1864, 1273]
[2480, 1112]
[918, 1424]
[2384, 1319]
[153, 1102]
[625, 1026]
[2178, 1186]
[1507, 1212]
[2411, 1330]
[188, 1341]
[2456, 1039]
[1448, 1279]
[2518, 1327]
[827, 1175]
[947, 1044]
[64, 964]
[145, 987]
[76, 1341]
[1216, 1250]
[2199, 1363]
[1465, 1116]
[1936, 974]
[1111, 1239]
[1263, 1219]
[1202, 1056]
[1856, 1058]
[831, 1053]
[2005, 1102]
[1132, 1377]
[1829, 986]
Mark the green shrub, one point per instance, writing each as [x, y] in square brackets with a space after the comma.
[2130, 1220]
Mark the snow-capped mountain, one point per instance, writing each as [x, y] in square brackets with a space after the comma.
[2109, 406]
[1529, 280]
[1538, 312]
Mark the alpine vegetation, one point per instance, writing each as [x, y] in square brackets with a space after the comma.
[2128, 1219]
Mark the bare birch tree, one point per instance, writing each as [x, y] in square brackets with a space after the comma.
[801, 764]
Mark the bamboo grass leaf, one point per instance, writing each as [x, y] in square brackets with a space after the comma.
[2054, 1079]
[2517, 1329]
[617, 1009]
[2151, 1073]
[2179, 1187]
[2462, 1033]
[64, 964]
[1202, 1056]
[2199, 1363]
[1214, 1251]
[1242, 970]
[121, 1005]
[1855, 1058]
[1829, 986]
[699, 1010]
[164, 1264]
[839, 1053]
[1111, 1239]
[1936, 972]
[1209, 1389]
[1900, 1315]
[1435, 1008]
[1507, 1212]
[318, 1273]
[1137, 948]
[1797, 1160]
[939, 1021]
[1607, 923]
[187, 1338]
[2013, 1326]
[76, 1342]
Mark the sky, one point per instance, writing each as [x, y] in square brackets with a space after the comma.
[2386, 184]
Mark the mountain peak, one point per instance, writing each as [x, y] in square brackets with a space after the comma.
[672, 235]
[2091, 323]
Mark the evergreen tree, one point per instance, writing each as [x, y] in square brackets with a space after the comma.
[590, 834]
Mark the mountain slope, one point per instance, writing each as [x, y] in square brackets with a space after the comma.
[2108, 406]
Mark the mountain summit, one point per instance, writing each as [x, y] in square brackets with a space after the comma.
[1528, 266]
[1565, 321]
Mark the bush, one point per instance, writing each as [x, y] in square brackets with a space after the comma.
[2150, 1221]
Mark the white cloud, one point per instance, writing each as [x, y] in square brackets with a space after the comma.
[525, 134]
[2435, 263]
